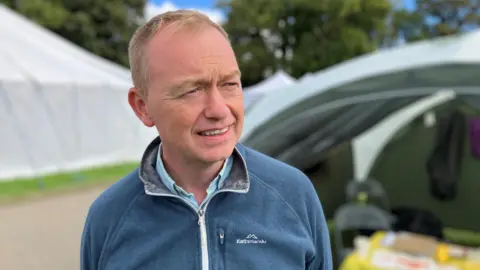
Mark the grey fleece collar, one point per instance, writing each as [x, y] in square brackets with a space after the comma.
[237, 181]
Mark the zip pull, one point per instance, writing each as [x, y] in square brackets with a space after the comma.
[221, 235]
[201, 217]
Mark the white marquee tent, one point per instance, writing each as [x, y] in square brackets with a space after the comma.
[301, 121]
[61, 107]
[254, 93]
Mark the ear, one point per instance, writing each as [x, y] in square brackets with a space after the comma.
[138, 103]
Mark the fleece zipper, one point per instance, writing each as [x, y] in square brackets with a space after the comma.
[203, 239]
[201, 221]
[201, 216]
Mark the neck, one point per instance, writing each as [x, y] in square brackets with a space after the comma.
[192, 176]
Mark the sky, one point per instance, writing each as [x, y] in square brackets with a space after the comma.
[409, 4]
[206, 6]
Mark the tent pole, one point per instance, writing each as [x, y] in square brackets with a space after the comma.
[368, 145]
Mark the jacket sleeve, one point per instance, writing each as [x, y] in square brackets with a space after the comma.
[92, 242]
[88, 253]
[320, 234]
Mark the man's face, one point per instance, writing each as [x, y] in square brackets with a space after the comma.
[195, 98]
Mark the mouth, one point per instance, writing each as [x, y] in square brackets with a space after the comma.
[214, 132]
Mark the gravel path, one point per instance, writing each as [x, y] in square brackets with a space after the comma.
[44, 234]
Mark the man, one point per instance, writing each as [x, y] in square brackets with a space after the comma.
[200, 200]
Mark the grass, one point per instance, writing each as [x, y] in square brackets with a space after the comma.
[16, 190]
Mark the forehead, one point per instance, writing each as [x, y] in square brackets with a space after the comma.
[174, 55]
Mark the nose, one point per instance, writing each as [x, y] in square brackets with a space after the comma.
[215, 106]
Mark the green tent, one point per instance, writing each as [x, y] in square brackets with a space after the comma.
[374, 117]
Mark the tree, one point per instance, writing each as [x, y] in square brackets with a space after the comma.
[301, 36]
[102, 27]
[50, 14]
[434, 18]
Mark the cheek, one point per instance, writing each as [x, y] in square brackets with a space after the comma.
[178, 118]
[235, 100]
[156, 113]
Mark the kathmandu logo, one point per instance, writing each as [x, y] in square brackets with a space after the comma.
[251, 239]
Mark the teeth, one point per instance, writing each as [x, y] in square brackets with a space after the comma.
[214, 132]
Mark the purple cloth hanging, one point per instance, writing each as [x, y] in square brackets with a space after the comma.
[474, 127]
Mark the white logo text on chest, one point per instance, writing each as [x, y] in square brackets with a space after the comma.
[251, 239]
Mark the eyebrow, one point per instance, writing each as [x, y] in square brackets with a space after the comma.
[230, 75]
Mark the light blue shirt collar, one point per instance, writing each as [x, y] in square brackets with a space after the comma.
[167, 180]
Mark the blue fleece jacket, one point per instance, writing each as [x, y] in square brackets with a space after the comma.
[265, 217]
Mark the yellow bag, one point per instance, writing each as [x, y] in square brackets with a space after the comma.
[389, 250]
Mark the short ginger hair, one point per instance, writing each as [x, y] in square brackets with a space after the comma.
[183, 19]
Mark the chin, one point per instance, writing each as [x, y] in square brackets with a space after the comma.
[218, 153]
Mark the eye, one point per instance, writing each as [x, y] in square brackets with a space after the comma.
[231, 85]
[192, 91]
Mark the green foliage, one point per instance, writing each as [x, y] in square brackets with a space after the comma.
[302, 36]
[47, 13]
[433, 18]
[102, 27]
